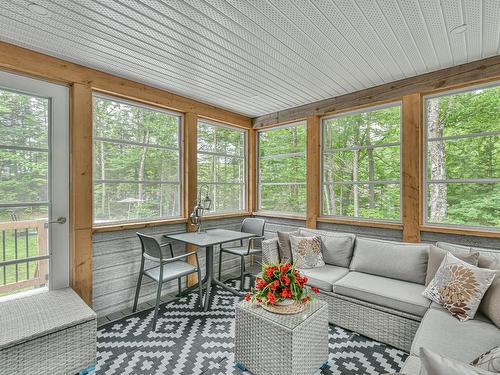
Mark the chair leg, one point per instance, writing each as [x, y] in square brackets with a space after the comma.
[158, 295]
[242, 277]
[220, 264]
[137, 290]
[179, 282]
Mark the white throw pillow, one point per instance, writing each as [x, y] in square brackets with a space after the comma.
[459, 287]
[306, 251]
[434, 364]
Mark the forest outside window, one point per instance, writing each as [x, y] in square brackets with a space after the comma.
[462, 158]
[361, 164]
[282, 169]
[222, 166]
[136, 162]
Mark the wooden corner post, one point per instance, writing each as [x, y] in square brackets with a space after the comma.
[190, 179]
[411, 158]
[313, 170]
[81, 191]
[252, 171]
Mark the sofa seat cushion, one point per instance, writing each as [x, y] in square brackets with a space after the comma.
[411, 366]
[397, 260]
[395, 294]
[449, 337]
[324, 277]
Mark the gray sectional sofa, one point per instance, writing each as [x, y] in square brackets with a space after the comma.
[374, 287]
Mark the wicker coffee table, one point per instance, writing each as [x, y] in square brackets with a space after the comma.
[268, 343]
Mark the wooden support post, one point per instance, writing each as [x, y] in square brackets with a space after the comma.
[252, 171]
[313, 170]
[411, 155]
[81, 191]
[190, 179]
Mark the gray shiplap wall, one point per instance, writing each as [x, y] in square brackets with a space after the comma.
[116, 264]
[274, 224]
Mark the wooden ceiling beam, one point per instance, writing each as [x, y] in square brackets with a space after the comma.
[22, 60]
[477, 71]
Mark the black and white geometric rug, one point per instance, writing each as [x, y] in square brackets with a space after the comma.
[191, 342]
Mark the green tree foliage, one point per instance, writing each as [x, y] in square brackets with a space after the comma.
[282, 169]
[361, 164]
[221, 166]
[475, 114]
[136, 162]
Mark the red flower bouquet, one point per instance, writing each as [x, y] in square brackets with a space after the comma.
[280, 282]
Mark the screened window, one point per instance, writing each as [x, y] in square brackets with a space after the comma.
[282, 169]
[136, 162]
[222, 166]
[361, 165]
[462, 158]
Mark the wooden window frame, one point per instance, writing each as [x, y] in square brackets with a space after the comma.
[341, 219]
[271, 213]
[151, 221]
[246, 186]
[425, 226]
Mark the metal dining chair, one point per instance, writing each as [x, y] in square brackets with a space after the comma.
[168, 269]
[249, 225]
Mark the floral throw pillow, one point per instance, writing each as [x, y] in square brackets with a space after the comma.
[306, 251]
[459, 287]
[489, 361]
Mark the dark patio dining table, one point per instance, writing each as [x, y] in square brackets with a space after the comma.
[208, 240]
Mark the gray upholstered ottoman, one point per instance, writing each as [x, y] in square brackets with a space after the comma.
[268, 343]
[51, 332]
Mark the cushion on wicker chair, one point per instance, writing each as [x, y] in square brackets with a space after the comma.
[395, 294]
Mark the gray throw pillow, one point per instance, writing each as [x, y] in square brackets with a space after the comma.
[489, 361]
[490, 305]
[436, 256]
[434, 364]
[337, 248]
[284, 248]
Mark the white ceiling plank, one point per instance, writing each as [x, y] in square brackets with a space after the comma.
[453, 16]
[258, 56]
[491, 27]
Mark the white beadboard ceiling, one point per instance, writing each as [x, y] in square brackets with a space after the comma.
[258, 56]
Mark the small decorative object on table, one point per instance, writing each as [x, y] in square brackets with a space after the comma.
[281, 289]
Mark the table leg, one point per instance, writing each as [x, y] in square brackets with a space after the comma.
[209, 273]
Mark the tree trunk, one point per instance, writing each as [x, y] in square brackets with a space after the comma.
[355, 186]
[371, 169]
[436, 159]
[103, 177]
[142, 163]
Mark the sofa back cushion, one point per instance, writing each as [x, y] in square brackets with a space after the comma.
[397, 260]
[284, 247]
[437, 255]
[336, 247]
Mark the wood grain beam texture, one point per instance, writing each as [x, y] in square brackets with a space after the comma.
[477, 71]
[81, 191]
[313, 182]
[411, 166]
[190, 180]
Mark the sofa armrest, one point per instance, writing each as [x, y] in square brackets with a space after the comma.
[270, 251]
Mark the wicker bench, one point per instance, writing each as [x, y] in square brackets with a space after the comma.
[51, 332]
